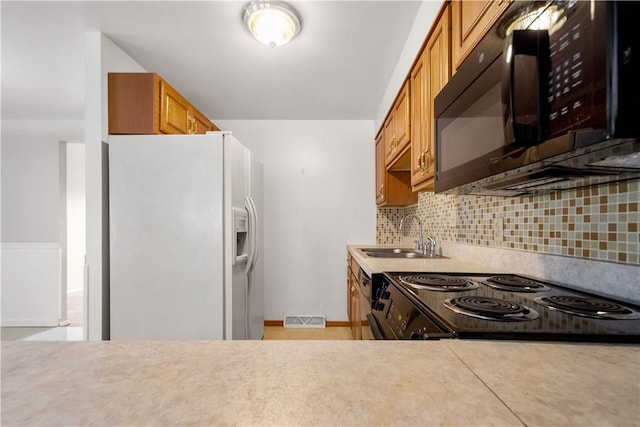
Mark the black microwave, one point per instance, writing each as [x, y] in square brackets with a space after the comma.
[548, 100]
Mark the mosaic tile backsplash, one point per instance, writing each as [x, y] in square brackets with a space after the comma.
[599, 223]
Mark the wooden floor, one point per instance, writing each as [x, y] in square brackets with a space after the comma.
[329, 333]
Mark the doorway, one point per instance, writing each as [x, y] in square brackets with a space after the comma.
[75, 206]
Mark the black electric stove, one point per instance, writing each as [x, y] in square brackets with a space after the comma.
[501, 306]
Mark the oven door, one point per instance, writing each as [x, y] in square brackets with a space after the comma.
[374, 328]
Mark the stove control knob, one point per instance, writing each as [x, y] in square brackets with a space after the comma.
[377, 305]
[385, 294]
[380, 291]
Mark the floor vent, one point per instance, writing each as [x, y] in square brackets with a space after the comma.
[292, 321]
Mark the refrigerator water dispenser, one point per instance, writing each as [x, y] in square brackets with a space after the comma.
[241, 235]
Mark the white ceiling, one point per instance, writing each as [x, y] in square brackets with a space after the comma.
[338, 67]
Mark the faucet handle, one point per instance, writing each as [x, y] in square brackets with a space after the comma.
[432, 246]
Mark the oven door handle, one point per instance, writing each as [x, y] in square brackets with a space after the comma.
[376, 332]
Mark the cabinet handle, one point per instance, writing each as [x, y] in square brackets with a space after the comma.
[427, 160]
[424, 164]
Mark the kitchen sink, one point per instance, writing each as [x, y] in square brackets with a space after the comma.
[395, 253]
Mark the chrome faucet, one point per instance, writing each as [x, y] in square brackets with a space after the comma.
[420, 243]
[428, 249]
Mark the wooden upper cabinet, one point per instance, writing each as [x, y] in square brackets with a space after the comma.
[393, 188]
[174, 111]
[402, 118]
[471, 19]
[144, 103]
[380, 169]
[398, 127]
[428, 76]
[200, 123]
[389, 139]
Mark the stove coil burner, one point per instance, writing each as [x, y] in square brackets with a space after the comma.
[515, 284]
[436, 282]
[488, 308]
[588, 307]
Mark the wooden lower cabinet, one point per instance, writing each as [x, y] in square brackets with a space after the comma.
[353, 299]
[144, 103]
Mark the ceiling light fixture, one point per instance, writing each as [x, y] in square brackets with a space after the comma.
[273, 23]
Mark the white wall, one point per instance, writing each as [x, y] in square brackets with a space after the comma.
[32, 232]
[421, 25]
[318, 197]
[101, 57]
[30, 177]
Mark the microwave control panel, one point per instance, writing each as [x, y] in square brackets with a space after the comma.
[572, 67]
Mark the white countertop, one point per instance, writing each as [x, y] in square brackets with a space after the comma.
[448, 382]
[373, 265]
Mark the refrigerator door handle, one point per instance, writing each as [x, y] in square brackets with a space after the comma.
[253, 233]
[253, 256]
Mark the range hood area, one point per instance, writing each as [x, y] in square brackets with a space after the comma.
[606, 162]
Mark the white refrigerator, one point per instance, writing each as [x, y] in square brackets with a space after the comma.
[185, 236]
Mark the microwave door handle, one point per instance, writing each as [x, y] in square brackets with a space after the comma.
[525, 89]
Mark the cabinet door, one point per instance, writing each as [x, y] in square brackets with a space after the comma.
[420, 121]
[471, 19]
[430, 74]
[389, 139]
[199, 123]
[349, 315]
[356, 322]
[397, 128]
[380, 169]
[402, 119]
[174, 111]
